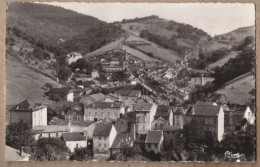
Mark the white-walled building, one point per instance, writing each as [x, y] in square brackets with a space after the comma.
[154, 141]
[33, 114]
[74, 140]
[73, 57]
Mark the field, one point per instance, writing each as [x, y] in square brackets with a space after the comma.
[221, 62]
[22, 82]
[238, 91]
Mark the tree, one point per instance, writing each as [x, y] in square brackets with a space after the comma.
[50, 149]
[18, 135]
[64, 73]
[81, 154]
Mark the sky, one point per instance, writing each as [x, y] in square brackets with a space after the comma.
[213, 18]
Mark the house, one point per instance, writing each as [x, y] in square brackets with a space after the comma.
[144, 115]
[170, 133]
[31, 113]
[178, 117]
[206, 117]
[236, 115]
[94, 74]
[159, 123]
[154, 141]
[165, 112]
[60, 94]
[93, 98]
[49, 131]
[75, 115]
[126, 123]
[201, 81]
[12, 154]
[122, 143]
[73, 57]
[109, 111]
[128, 93]
[74, 140]
[104, 135]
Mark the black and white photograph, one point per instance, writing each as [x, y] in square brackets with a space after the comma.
[130, 82]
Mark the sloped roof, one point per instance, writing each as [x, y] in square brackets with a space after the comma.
[162, 111]
[153, 136]
[104, 105]
[128, 93]
[13, 154]
[73, 136]
[179, 110]
[27, 105]
[50, 128]
[143, 107]
[171, 128]
[160, 119]
[204, 110]
[123, 141]
[102, 129]
[205, 103]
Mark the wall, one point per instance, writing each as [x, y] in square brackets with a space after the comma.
[100, 149]
[157, 125]
[52, 134]
[220, 124]
[142, 126]
[72, 144]
[17, 116]
[112, 135]
[39, 117]
[102, 113]
[70, 96]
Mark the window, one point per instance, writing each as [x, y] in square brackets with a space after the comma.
[172, 133]
[49, 134]
[105, 145]
[144, 119]
[99, 138]
[57, 134]
[77, 145]
[137, 127]
[99, 145]
[161, 125]
[155, 145]
[149, 145]
[108, 114]
[168, 132]
[40, 136]
[156, 125]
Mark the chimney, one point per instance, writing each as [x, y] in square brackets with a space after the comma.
[21, 151]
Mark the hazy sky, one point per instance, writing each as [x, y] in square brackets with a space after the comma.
[214, 18]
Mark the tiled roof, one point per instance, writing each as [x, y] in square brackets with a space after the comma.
[123, 141]
[128, 93]
[153, 136]
[104, 105]
[27, 105]
[73, 136]
[179, 110]
[142, 107]
[204, 110]
[205, 103]
[162, 111]
[94, 98]
[102, 129]
[50, 128]
[171, 128]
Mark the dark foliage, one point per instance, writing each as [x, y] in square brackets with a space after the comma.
[81, 154]
[18, 135]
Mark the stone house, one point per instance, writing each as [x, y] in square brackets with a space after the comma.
[31, 113]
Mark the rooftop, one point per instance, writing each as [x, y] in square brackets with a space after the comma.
[102, 129]
[50, 128]
[204, 110]
[162, 111]
[104, 105]
[123, 141]
[27, 105]
[143, 106]
[153, 136]
[73, 136]
[128, 93]
[171, 128]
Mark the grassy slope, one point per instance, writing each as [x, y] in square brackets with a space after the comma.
[164, 54]
[224, 60]
[238, 91]
[22, 82]
[48, 23]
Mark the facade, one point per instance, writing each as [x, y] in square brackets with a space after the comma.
[165, 112]
[109, 111]
[159, 123]
[178, 117]
[74, 140]
[73, 57]
[206, 117]
[94, 74]
[104, 135]
[154, 141]
[170, 135]
[33, 114]
[144, 115]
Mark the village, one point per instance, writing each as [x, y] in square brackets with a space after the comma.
[122, 105]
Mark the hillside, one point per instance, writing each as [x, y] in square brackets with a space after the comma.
[22, 82]
[237, 91]
[236, 36]
[50, 27]
[223, 61]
